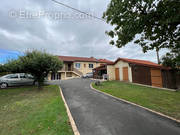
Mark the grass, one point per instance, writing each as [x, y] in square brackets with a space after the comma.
[28, 111]
[166, 102]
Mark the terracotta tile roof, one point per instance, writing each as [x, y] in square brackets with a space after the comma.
[105, 61]
[101, 67]
[83, 59]
[140, 62]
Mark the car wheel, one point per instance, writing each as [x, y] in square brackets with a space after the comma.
[4, 85]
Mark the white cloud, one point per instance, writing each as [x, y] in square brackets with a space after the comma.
[63, 37]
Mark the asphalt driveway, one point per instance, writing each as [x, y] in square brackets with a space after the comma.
[98, 114]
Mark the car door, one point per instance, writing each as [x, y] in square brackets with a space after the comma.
[29, 78]
[24, 79]
[14, 79]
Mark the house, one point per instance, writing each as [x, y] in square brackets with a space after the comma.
[76, 67]
[137, 71]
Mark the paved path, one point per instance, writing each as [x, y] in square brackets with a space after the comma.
[98, 114]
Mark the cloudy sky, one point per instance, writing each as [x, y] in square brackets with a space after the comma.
[43, 24]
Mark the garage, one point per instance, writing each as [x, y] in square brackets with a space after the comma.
[141, 72]
[125, 74]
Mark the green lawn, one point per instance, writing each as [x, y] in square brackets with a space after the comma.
[166, 102]
[28, 111]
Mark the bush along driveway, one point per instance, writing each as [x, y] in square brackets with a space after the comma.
[166, 102]
[28, 111]
[98, 114]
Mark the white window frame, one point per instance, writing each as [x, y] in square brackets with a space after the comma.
[79, 65]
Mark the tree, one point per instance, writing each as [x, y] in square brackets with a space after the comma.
[37, 63]
[1, 68]
[154, 23]
[172, 59]
[13, 66]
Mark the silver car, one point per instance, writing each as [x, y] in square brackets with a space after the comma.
[16, 80]
[88, 75]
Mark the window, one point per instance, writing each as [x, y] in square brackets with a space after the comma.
[13, 76]
[78, 65]
[90, 65]
[84, 65]
[22, 76]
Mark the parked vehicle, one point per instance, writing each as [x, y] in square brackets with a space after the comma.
[88, 75]
[16, 80]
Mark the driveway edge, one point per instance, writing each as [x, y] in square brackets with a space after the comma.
[73, 124]
[158, 113]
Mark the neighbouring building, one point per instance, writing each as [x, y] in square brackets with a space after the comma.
[76, 67]
[137, 71]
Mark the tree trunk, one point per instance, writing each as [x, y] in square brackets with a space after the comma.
[158, 59]
[40, 84]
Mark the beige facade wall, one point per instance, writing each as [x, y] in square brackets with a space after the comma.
[120, 65]
[84, 68]
[49, 76]
[63, 76]
[65, 67]
[111, 72]
[73, 75]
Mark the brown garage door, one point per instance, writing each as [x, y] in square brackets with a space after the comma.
[125, 74]
[156, 77]
[117, 73]
[141, 74]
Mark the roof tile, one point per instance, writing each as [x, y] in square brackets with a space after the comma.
[83, 59]
[140, 62]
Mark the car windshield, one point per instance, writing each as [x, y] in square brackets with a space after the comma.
[29, 76]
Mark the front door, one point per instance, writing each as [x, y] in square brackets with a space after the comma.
[69, 67]
[117, 73]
